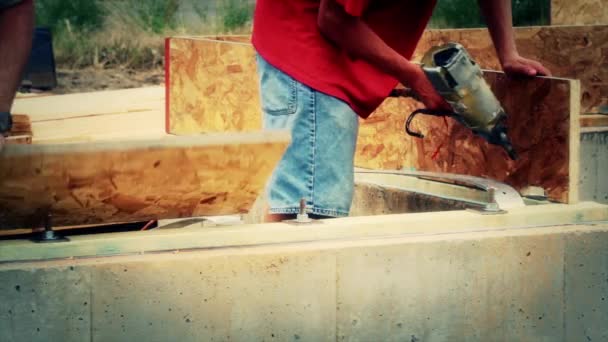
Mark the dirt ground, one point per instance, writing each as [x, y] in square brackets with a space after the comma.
[96, 79]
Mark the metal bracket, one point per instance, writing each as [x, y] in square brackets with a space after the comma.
[49, 235]
[500, 196]
[302, 218]
[491, 208]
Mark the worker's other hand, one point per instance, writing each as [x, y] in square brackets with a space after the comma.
[517, 65]
[425, 91]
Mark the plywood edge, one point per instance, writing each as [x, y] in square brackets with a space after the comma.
[125, 124]
[245, 37]
[88, 104]
[168, 141]
[575, 142]
[399, 226]
[523, 28]
[167, 84]
[594, 120]
[231, 39]
[554, 78]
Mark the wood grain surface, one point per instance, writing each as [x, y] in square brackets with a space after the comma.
[543, 115]
[102, 115]
[135, 180]
[212, 85]
[579, 12]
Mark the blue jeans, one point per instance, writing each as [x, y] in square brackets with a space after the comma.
[319, 163]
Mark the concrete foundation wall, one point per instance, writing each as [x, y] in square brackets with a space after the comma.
[534, 284]
[594, 166]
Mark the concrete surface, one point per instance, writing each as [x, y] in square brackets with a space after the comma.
[586, 287]
[197, 236]
[509, 284]
[594, 165]
[454, 290]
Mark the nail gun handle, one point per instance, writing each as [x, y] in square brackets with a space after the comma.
[408, 92]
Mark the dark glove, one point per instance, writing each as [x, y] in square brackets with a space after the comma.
[6, 122]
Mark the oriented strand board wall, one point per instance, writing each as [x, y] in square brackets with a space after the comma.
[543, 117]
[125, 181]
[579, 12]
[211, 87]
[577, 52]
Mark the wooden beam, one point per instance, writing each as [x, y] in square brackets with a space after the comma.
[577, 52]
[54, 107]
[99, 127]
[329, 231]
[543, 116]
[579, 12]
[136, 180]
[93, 116]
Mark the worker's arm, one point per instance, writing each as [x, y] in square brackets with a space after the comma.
[499, 18]
[355, 37]
[16, 27]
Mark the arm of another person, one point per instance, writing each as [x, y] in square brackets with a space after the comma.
[353, 35]
[499, 18]
[16, 28]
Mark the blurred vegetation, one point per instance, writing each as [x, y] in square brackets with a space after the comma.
[236, 14]
[130, 33]
[466, 14]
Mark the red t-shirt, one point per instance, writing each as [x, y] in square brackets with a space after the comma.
[286, 34]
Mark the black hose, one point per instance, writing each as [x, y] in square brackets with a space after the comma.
[425, 111]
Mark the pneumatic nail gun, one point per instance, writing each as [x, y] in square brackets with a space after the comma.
[459, 80]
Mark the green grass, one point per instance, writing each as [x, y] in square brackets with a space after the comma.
[129, 33]
[236, 14]
[466, 14]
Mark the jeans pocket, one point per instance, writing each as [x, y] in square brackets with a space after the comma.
[279, 91]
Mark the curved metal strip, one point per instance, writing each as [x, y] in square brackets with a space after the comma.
[505, 196]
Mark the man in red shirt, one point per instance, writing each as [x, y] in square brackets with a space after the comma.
[322, 64]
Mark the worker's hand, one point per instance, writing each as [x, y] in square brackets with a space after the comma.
[2, 141]
[425, 91]
[518, 65]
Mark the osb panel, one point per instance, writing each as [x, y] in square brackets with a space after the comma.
[578, 52]
[134, 181]
[579, 12]
[212, 87]
[540, 123]
[539, 112]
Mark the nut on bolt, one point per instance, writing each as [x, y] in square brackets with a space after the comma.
[302, 215]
